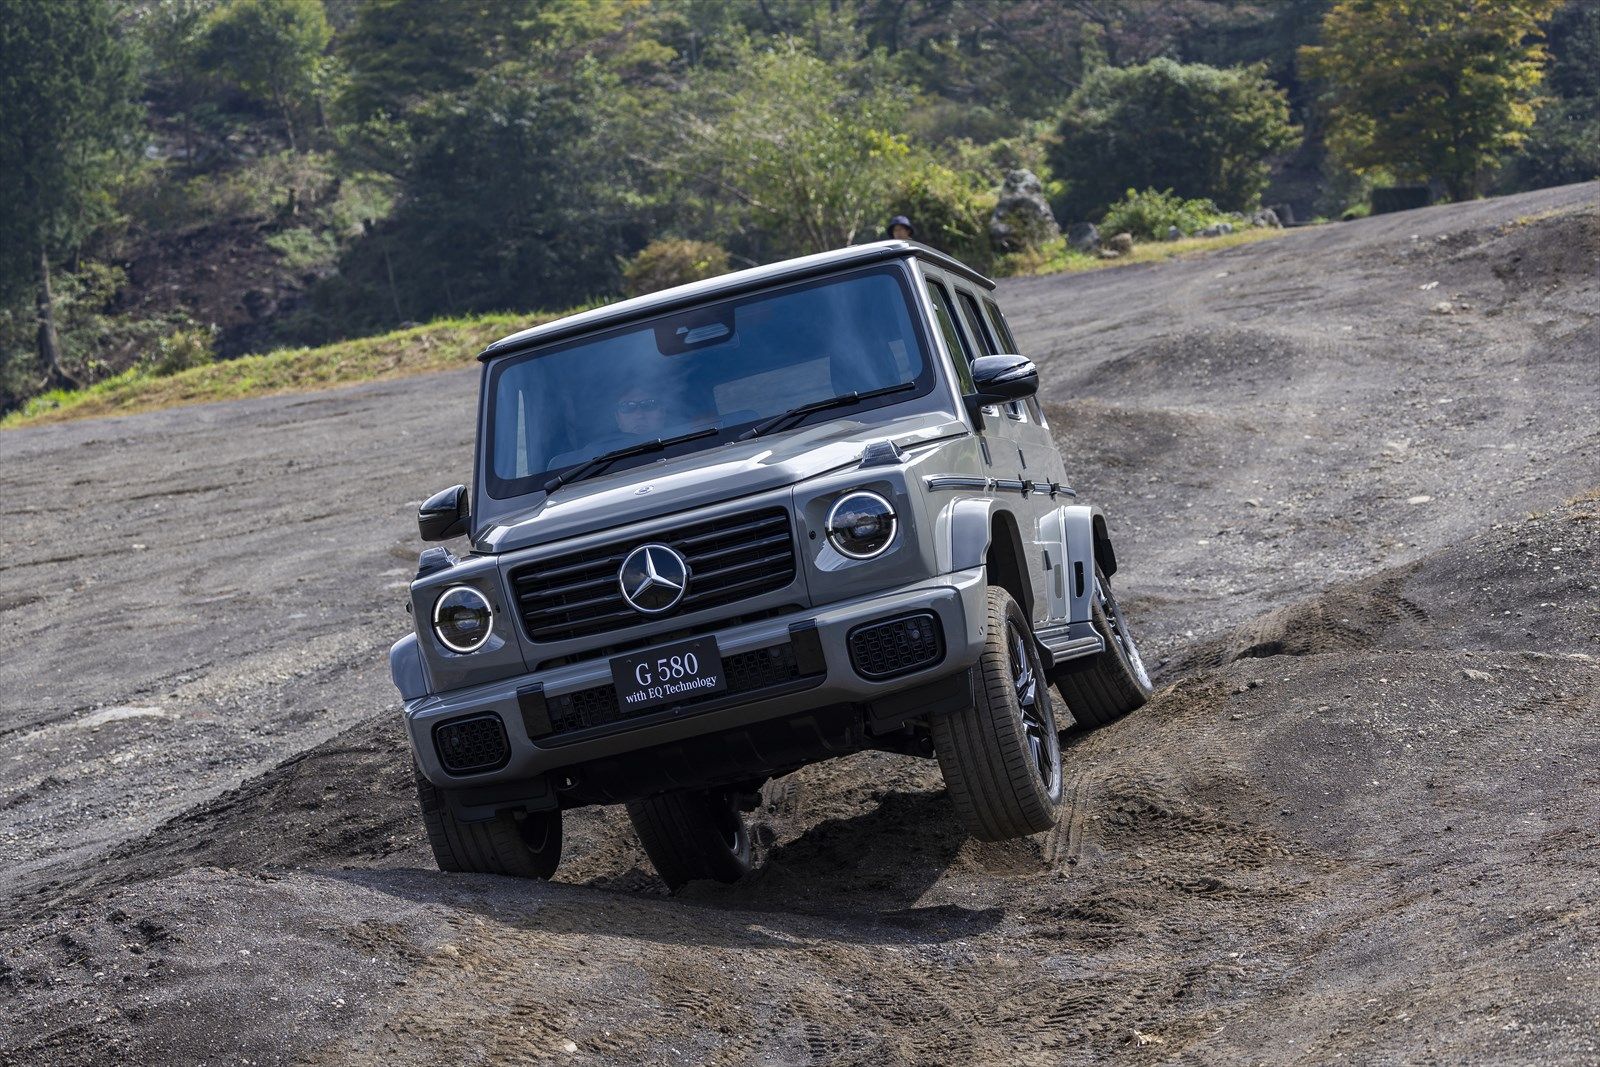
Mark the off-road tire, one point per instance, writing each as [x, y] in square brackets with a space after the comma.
[1002, 768]
[1102, 688]
[693, 835]
[519, 845]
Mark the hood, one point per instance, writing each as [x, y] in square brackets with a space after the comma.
[682, 483]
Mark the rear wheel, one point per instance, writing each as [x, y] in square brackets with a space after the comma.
[1102, 688]
[690, 835]
[1001, 757]
[523, 845]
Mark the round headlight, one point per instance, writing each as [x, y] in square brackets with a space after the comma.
[861, 525]
[462, 619]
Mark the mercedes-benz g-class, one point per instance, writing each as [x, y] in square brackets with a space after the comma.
[724, 531]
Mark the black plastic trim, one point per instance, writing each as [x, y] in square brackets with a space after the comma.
[807, 643]
[938, 635]
[535, 712]
[505, 744]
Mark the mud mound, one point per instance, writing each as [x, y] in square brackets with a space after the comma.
[1538, 255]
[1096, 436]
[1531, 584]
[1235, 359]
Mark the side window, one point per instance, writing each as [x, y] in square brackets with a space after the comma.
[1003, 331]
[980, 329]
[953, 338]
[1002, 327]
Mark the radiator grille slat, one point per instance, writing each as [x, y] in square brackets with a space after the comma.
[576, 595]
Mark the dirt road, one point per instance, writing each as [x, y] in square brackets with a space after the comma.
[1353, 474]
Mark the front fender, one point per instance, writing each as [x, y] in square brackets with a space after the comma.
[964, 528]
[406, 668]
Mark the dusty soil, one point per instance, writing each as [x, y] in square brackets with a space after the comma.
[1353, 476]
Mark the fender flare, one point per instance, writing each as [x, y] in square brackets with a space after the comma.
[406, 668]
[1088, 544]
[967, 525]
[968, 530]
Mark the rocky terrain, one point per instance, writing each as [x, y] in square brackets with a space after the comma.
[1355, 477]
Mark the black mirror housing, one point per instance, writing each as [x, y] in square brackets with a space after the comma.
[1001, 379]
[444, 515]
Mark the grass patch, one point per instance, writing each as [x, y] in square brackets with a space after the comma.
[1057, 258]
[447, 344]
[444, 345]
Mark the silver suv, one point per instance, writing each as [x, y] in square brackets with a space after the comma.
[737, 527]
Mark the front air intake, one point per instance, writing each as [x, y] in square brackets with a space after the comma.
[475, 743]
[894, 647]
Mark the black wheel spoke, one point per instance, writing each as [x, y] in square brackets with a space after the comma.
[1038, 721]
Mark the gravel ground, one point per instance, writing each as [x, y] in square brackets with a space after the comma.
[1353, 477]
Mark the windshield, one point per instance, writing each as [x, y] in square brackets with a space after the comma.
[726, 366]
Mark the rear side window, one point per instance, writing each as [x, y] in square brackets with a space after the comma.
[1004, 331]
[1003, 327]
[953, 337]
[980, 329]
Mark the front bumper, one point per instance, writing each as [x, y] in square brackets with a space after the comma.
[956, 600]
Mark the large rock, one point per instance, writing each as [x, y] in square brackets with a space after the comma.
[1266, 218]
[1083, 236]
[1022, 218]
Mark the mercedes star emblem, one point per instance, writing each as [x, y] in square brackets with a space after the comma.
[653, 579]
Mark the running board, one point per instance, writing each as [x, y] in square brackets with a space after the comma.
[1058, 644]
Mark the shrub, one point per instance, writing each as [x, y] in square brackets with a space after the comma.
[182, 349]
[304, 250]
[950, 210]
[672, 261]
[1203, 131]
[1150, 214]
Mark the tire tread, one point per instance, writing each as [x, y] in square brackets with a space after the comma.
[982, 751]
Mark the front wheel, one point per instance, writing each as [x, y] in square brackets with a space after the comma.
[1001, 757]
[1103, 688]
[523, 845]
[690, 835]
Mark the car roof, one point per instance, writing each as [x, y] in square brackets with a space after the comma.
[641, 307]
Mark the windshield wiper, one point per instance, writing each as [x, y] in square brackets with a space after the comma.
[794, 415]
[590, 467]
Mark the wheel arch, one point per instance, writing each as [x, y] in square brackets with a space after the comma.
[983, 532]
[1004, 561]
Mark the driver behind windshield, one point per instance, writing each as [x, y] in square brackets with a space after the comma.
[640, 413]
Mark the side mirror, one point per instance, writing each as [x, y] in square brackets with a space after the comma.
[444, 515]
[999, 379]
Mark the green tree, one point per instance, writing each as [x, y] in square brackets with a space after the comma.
[516, 196]
[1430, 88]
[66, 118]
[1199, 131]
[175, 82]
[401, 52]
[804, 149]
[1564, 144]
[271, 50]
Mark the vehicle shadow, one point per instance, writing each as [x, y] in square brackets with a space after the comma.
[868, 870]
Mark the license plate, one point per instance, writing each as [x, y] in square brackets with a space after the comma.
[670, 674]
